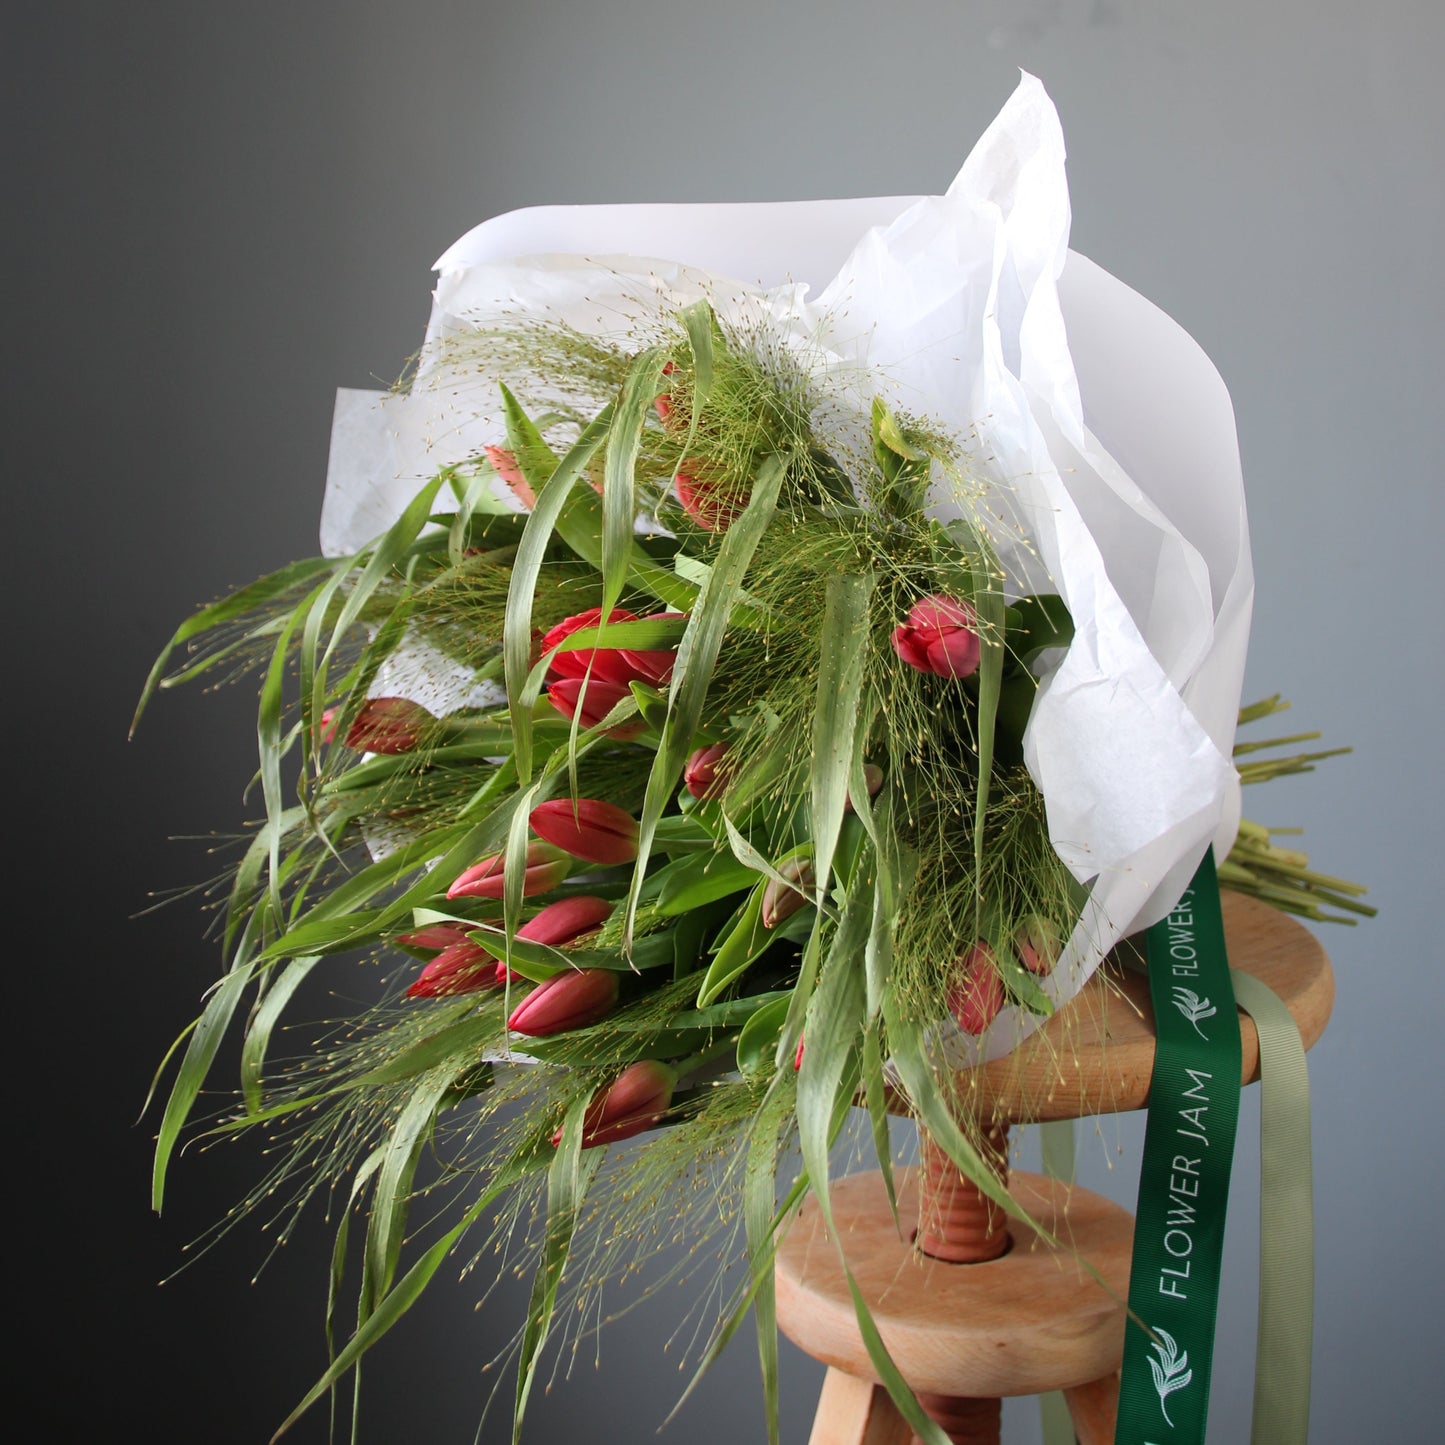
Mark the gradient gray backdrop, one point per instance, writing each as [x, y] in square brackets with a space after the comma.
[218, 213]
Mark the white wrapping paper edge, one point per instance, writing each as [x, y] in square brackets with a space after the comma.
[1102, 422]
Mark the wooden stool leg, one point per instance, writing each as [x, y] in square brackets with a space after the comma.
[1094, 1409]
[856, 1412]
[965, 1420]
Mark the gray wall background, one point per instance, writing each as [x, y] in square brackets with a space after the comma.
[218, 214]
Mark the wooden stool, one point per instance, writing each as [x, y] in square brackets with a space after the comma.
[1030, 1319]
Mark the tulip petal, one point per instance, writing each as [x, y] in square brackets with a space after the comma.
[587, 828]
[567, 920]
[565, 1001]
[546, 867]
[607, 663]
[978, 995]
[463, 967]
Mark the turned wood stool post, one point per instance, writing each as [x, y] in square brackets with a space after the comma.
[971, 1311]
[959, 1224]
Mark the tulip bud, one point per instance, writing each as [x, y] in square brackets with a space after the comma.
[940, 635]
[587, 828]
[714, 506]
[656, 666]
[662, 402]
[566, 921]
[435, 935]
[461, 967]
[872, 779]
[633, 1102]
[1037, 944]
[504, 463]
[385, 725]
[704, 774]
[570, 1000]
[798, 1055]
[780, 902]
[977, 995]
[545, 868]
[607, 663]
[596, 697]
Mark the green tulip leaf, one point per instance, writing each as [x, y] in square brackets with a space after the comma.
[758, 1042]
[738, 949]
[703, 878]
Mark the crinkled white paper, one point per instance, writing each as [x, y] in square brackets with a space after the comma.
[1107, 432]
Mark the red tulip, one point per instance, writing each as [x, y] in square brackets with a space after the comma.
[633, 1102]
[461, 967]
[1037, 944]
[435, 935]
[587, 828]
[780, 902]
[714, 506]
[607, 663]
[596, 697]
[977, 996]
[570, 1000]
[559, 923]
[567, 920]
[504, 463]
[940, 635]
[798, 1055]
[663, 403]
[653, 667]
[545, 868]
[704, 774]
[872, 778]
[382, 725]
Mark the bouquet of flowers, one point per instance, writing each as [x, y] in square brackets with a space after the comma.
[719, 711]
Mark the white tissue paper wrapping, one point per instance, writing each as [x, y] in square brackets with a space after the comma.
[1103, 425]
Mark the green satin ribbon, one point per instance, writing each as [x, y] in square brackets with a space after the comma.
[1184, 1175]
[1286, 1222]
[1286, 1227]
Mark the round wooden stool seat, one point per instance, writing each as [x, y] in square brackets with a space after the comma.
[1036, 1319]
[1033, 1320]
[1096, 1055]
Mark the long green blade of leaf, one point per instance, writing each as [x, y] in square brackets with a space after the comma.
[552, 494]
[759, 1212]
[696, 657]
[700, 323]
[460, 1033]
[268, 728]
[619, 484]
[385, 555]
[238, 604]
[843, 649]
[258, 1033]
[571, 1173]
[740, 948]
[988, 602]
[825, 1083]
[390, 1198]
[398, 1301]
[200, 1053]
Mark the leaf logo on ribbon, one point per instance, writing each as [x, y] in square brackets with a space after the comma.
[1193, 1008]
[1171, 1370]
